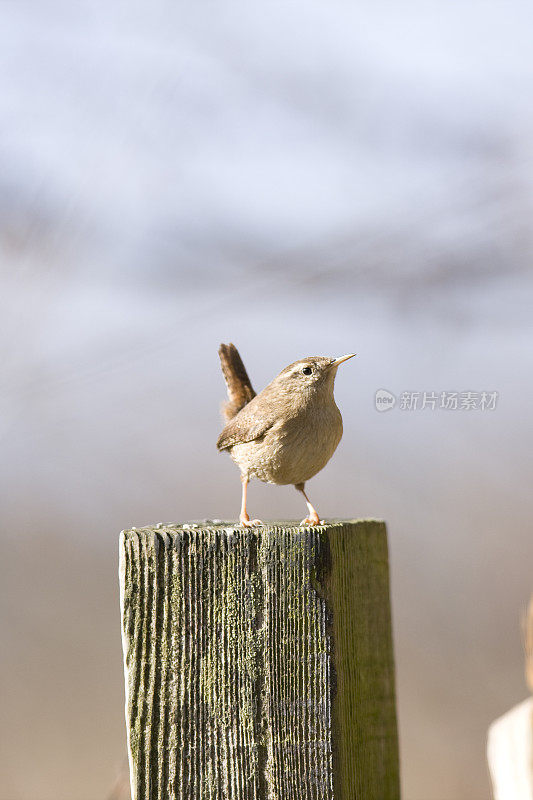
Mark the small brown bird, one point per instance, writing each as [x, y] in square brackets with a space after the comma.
[289, 431]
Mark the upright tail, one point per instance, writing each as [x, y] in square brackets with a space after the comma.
[240, 389]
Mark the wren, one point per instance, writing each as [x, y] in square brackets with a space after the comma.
[286, 433]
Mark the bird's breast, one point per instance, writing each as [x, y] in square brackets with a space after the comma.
[294, 448]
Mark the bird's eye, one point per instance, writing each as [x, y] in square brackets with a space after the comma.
[307, 371]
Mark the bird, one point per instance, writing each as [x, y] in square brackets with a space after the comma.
[286, 433]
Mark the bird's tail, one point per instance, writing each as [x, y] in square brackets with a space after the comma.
[240, 389]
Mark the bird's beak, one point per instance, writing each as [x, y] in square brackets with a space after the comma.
[338, 361]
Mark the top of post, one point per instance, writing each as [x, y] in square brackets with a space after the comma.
[232, 527]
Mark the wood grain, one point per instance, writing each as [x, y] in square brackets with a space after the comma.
[258, 663]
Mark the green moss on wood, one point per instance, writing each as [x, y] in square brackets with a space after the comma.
[259, 663]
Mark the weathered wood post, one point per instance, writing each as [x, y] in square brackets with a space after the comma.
[510, 738]
[258, 662]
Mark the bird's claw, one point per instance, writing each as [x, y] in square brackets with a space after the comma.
[246, 522]
[312, 521]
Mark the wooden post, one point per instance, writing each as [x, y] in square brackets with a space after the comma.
[510, 753]
[258, 662]
[510, 738]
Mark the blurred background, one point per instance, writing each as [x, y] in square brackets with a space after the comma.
[300, 179]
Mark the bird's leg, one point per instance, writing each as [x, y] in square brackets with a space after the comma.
[244, 519]
[313, 518]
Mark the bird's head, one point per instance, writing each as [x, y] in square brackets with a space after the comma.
[311, 375]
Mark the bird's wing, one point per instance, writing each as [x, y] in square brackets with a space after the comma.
[249, 424]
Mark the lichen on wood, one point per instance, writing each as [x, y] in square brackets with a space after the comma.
[258, 662]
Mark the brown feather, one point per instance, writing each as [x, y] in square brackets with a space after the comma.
[240, 390]
[250, 423]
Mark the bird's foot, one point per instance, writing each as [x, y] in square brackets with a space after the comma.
[246, 522]
[314, 519]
